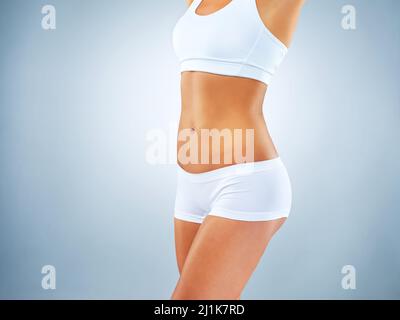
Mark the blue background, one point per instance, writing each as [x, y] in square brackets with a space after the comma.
[76, 189]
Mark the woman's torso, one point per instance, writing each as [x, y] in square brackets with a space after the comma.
[227, 60]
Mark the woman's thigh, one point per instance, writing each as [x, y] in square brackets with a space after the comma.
[184, 234]
[222, 257]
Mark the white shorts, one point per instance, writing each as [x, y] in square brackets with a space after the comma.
[255, 191]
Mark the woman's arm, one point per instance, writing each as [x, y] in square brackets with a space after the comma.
[189, 2]
[280, 17]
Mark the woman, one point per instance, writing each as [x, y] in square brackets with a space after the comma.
[228, 206]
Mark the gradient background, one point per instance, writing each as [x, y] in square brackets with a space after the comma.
[77, 192]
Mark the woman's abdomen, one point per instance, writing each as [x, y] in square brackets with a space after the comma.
[221, 122]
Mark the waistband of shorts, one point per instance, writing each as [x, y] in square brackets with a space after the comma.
[231, 170]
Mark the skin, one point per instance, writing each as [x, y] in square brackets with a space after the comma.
[216, 258]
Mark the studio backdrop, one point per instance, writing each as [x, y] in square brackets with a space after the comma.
[89, 107]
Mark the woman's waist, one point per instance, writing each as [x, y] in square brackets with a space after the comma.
[197, 162]
[219, 118]
[204, 147]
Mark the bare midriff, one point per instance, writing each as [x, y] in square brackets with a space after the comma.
[232, 106]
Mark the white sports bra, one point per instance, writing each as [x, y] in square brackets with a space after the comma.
[232, 41]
